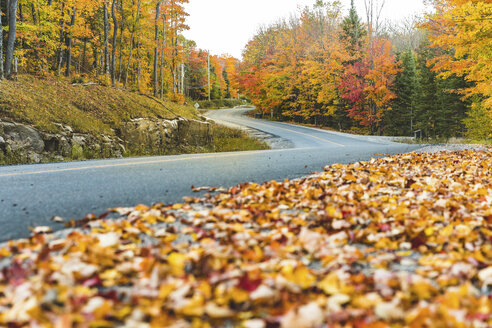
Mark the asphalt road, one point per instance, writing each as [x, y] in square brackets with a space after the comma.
[31, 194]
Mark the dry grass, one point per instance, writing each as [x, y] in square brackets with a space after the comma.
[225, 139]
[87, 109]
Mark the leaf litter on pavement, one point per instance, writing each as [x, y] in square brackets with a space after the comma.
[402, 241]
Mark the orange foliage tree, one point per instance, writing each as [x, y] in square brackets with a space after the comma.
[305, 69]
[463, 29]
[135, 43]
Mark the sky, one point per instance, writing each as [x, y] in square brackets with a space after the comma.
[225, 26]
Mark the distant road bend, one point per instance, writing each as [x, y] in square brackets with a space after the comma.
[32, 194]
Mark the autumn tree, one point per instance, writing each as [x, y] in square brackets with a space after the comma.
[462, 31]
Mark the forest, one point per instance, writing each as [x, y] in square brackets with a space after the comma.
[425, 76]
[133, 44]
[428, 76]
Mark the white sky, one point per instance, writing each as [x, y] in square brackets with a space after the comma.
[225, 26]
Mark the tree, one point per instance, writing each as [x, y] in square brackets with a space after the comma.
[368, 85]
[478, 123]
[69, 43]
[401, 119]
[132, 42]
[354, 32]
[1, 46]
[12, 21]
[439, 111]
[106, 39]
[115, 34]
[156, 48]
[462, 29]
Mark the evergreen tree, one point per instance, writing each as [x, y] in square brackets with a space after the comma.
[354, 31]
[400, 120]
[440, 111]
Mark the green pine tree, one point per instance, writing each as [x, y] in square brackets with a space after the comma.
[400, 120]
[354, 31]
[439, 111]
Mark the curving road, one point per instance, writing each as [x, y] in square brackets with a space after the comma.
[31, 194]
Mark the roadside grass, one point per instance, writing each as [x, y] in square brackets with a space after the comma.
[226, 139]
[47, 102]
[94, 109]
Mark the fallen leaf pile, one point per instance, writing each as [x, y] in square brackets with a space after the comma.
[403, 241]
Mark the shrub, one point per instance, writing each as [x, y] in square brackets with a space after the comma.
[478, 123]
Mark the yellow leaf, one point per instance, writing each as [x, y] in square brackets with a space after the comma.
[195, 306]
[332, 285]
[177, 262]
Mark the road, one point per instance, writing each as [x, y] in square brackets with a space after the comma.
[31, 194]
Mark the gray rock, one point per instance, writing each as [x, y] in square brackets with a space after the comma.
[145, 136]
[79, 140]
[65, 148]
[22, 137]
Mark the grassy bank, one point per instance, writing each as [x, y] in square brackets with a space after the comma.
[95, 109]
[225, 139]
[49, 103]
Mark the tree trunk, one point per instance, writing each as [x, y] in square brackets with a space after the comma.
[132, 42]
[96, 58]
[7, 12]
[174, 48]
[59, 58]
[137, 43]
[115, 34]
[156, 51]
[21, 14]
[1, 46]
[84, 56]
[69, 44]
[9, 54]
[120, 57]
[33, 13]
[163, 45]
[106, 40]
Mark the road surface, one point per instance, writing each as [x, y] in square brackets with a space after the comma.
[31, 194]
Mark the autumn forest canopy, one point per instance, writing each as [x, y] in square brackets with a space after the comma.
[430, 76]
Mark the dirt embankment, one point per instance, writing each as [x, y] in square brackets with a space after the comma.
[53, 119]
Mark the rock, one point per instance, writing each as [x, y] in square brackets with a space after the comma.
[122, 148]
[22, 138]
[65, 128]
[65, 149]
[143, 136]
[51, 142]
[79, 140]
[158, 136]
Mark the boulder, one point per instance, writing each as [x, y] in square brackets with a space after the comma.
[22, 138]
